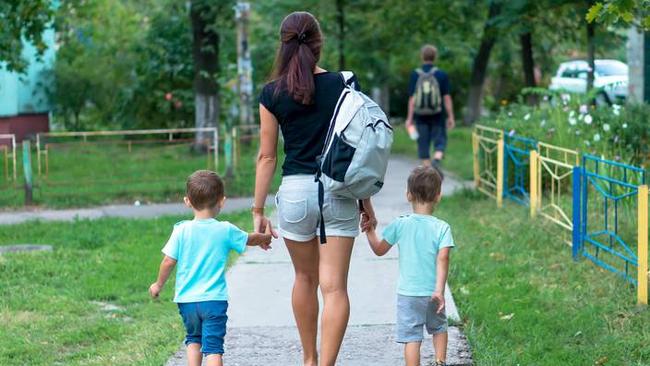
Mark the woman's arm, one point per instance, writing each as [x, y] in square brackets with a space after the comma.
[265, 168]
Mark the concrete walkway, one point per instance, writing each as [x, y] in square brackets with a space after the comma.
[261, 325]
[133, 211]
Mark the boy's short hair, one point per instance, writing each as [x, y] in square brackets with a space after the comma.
[204, 189]
[424, 184]
[428, 53]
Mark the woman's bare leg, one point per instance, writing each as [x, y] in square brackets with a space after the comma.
[333, 275]
[304, 297]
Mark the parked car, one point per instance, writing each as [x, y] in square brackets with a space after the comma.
[610, 76]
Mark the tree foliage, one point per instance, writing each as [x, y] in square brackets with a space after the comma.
[22, 21]
[621, 12]
[128, 63]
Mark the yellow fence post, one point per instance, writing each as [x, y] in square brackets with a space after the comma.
[477, 177]
[500, 177]
[533, 183]
[642, 287]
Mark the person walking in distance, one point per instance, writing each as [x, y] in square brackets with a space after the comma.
[429, 103]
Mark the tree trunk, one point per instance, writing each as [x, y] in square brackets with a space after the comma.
[479, 68]
[528, 63]
[205, 50]
[591, 54]
[340, 18]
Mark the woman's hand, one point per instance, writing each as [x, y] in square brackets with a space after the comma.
[262, 224]
[368, 219]
[367, 223]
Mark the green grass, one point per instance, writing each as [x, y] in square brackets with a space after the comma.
[45, 298]
[88, 175]
[562, 312]
[458, 157]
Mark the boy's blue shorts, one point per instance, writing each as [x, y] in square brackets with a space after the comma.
[205, 323]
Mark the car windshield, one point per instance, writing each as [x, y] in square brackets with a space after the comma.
[611, 69]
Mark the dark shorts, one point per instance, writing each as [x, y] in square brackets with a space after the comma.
[431, 131]
[205, 323]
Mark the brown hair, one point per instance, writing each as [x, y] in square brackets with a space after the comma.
[429, 53]
[300, 45]
[424, 184]
[204, 189]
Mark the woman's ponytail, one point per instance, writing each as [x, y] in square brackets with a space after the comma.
[299, 52]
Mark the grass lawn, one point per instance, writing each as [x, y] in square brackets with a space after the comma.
[526, 302]
[89, 175]
[458, 157]
[46, 299]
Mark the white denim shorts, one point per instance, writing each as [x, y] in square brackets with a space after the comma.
[299, 215]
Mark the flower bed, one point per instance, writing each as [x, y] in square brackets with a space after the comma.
[621, 133]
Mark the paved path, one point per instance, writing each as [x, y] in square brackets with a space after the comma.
[261, 325]
[142, 211]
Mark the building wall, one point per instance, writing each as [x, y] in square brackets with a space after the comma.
[26, 93]
[25, 125]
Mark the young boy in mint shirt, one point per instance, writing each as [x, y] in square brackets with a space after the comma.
[200, 248]
[424, 243]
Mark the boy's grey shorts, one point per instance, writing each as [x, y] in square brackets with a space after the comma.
[299, 215]
[413, 312]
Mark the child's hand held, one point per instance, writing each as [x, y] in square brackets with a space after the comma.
[266, 240]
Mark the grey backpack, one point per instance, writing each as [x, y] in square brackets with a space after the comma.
[357, 147]
[427, 93]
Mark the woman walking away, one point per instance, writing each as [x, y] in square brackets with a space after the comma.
[300, 100]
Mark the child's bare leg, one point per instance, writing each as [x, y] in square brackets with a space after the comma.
[194, 355]
[412, 353]
[213, 360]
[440, 346]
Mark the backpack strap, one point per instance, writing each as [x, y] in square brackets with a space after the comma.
[348, 80]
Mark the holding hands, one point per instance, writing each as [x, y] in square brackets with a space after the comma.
[263, 230]
[368, 219]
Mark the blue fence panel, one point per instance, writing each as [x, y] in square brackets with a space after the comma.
[516, 165]
[601, 237]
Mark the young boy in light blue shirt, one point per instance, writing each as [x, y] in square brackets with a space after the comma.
[200, 248]
[424, 243]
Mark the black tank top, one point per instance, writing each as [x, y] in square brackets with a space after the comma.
[304, 126]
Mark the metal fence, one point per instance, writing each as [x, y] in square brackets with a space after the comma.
[95, 167]
[170, 136]
[487, 145]
[516, 168]
[602, 204]
[8, 153]
[609, 191]
[554, 171]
